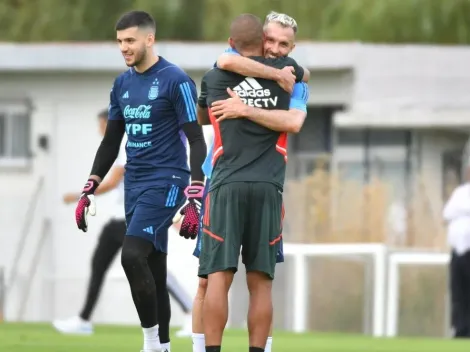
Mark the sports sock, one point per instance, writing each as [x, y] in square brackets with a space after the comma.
[256, 349]
[269, 343]
[199, 343]
[165, 347]
[151, 341]
[213, 348]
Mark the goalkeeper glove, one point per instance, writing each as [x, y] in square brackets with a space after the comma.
[86, 204]
[191, 211]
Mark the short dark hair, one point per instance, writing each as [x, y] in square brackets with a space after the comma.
[246, 31]
[140, 19]
[103, 114]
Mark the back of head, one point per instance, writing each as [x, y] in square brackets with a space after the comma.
[246, 33]
[139, 19]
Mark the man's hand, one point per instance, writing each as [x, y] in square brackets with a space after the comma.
[191, 211]
[86, 204]
[286, 79]
[230, 108]
[71, 197]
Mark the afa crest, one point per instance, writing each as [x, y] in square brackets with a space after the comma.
[153, 91]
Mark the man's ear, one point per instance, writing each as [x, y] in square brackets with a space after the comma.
[231, 43]
[150, 40]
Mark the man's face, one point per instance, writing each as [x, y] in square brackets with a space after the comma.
[102, 122]
[279, 40]
[133, 43]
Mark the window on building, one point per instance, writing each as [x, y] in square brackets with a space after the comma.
[362, 155]
[308, 148]
[15, 130]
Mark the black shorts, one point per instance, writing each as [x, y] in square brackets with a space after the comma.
[244, 216]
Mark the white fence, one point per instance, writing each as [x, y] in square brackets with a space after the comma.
[384, 280]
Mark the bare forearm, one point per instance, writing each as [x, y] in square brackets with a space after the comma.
[203, 116]
[247, 67]
[276, 120]
[105, 187]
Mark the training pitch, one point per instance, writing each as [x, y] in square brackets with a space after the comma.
[43, 338]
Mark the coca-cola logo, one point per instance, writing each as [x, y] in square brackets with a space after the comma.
[139, 112]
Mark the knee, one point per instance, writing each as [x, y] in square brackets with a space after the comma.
[258, 283]
[95, 263]
[131, 258]
[202, 288]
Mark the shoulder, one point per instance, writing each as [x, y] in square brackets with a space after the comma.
[301, 91]
[174, 73]
[119, 80]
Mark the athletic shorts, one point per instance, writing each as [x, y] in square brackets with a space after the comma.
[197, 250]
[150, 211]
[246, 217]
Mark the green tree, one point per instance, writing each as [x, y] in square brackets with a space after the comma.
[388, 21]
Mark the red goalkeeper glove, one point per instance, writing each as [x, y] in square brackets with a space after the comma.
[191, 211]
[86, 204]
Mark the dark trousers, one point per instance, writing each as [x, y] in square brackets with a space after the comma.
[108, 246]
[460, 294]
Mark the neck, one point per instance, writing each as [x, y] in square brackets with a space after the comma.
[251, 53]
[150, 60]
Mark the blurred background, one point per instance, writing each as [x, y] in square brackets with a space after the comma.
[383, 146]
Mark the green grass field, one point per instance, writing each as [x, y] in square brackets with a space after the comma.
[42, 338]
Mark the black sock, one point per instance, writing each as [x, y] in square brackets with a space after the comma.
[213, 348]
[255, 349]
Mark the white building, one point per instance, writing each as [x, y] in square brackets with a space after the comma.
[410, 104]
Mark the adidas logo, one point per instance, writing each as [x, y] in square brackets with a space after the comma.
[149, 230]
[253, 94]
[125, 95]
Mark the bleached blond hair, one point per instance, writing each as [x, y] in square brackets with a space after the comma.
[283, 19]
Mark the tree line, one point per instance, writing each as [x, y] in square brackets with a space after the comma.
[376, 21]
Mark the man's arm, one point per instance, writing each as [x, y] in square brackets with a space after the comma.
[457, 206]
[202, 112]
[108, 150]
[203, 115]
[184, 100]
[111, 182]
[290, 120]
[248, 67]
[281, 120]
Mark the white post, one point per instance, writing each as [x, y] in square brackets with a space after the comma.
[300, 288]
[380, 274]
[393, 297]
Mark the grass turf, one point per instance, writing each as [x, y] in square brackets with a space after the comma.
[43, 338]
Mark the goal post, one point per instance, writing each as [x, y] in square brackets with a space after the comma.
[299, 252]
[395, 262]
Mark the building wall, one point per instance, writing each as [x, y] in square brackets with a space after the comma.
[65, 106]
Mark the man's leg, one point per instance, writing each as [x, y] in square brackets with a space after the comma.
[107, 247]
[458, 299]
[465, 258]
[158, 265]
[199, 343]
[134, 258]
[184, 301]
[260, 310]
[259, 254]
[223, 227]
[144, 260]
